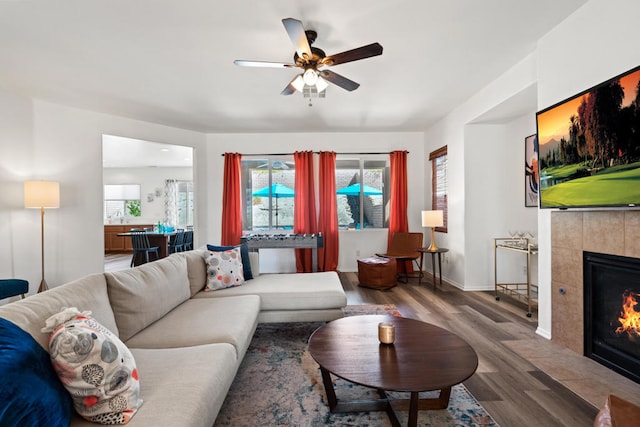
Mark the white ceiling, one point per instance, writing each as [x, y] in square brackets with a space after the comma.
[119, 152]
[171, 62]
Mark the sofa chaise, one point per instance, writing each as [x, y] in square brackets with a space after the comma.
[187, 343]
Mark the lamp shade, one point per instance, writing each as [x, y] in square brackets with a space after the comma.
[432, 218]
[41, 194]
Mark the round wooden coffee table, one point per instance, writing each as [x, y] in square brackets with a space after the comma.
[423, 357]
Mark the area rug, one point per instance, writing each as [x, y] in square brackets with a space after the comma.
[279, 384]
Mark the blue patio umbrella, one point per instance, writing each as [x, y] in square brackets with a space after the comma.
[354, 190]
[275, 190]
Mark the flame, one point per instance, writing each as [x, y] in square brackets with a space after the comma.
[629, 318]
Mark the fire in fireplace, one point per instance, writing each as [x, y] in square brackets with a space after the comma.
[630, 317]
[612, 312]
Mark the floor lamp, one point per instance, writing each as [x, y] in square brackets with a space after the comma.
[432, 219]
[41, 195]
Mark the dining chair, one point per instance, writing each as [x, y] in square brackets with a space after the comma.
[176, 242]
[188, 240]
[404, 247]
[140, 244]
[13, 287]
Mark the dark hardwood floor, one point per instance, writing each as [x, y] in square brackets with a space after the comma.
[522, 378]
[508, 383]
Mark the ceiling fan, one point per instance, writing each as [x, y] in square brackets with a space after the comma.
[312, 59]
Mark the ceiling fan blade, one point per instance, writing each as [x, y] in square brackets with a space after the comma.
[373, 49]
[262, 64]
[339, 80]
[298, 36]
[290, 89]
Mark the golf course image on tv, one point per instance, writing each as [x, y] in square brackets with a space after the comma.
[589, 147]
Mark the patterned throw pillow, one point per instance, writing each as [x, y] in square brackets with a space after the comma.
[244, 255]
[95, 367]
[224, 269]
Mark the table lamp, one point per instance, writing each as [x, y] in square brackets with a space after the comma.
[432, 219]
[41, 195]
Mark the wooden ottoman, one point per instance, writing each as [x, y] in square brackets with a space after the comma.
[377, 273]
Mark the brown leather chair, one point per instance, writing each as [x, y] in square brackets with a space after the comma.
[617, 412]
[404, 247]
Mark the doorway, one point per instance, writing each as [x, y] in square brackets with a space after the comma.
[163, 174]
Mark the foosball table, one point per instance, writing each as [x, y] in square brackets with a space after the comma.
[255, 242]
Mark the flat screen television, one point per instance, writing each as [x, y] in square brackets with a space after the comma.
[588, 150]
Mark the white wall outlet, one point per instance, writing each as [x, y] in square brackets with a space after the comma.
[358, 252]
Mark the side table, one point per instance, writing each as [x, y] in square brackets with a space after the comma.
[433, 253]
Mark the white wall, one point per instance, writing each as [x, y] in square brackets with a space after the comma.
[149, 180]
[597, 42]
[494, 198]
[40, 140]
[17, 225]
[366, 242]
[481, 159]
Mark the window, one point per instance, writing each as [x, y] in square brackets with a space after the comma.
[268, 185]
[361, 187]
[439, 184]
[121, 200]
[185, 204]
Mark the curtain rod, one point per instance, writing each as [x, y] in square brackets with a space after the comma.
[315, 152]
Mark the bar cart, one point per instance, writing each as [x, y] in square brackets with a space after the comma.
[519, 291]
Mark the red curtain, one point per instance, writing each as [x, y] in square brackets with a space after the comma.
[231, 200]
[304, 211]
[328, 220]
[398, 197]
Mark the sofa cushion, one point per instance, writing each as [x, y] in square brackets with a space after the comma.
[196, 268]
[95, 367]
[140, 296]
[181, 386]
[30, 392]
[224, 269]
[203, 321]
[303, 291]
[87, 293]
[254, 260]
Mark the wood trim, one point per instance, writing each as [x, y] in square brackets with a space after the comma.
[437, 203]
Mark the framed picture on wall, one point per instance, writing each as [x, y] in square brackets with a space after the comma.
[531, 181]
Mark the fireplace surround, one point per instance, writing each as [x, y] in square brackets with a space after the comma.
[612, 312]
[614, 232]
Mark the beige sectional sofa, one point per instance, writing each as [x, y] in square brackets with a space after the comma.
[187, 343]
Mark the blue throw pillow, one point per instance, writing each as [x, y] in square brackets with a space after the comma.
[30, 392]
[244, 255]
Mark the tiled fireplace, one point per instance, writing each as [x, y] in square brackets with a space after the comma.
[573, 233]
[611, 318]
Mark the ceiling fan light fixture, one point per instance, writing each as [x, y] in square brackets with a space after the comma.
[310, 77]
[321, 84]
[298, 83]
